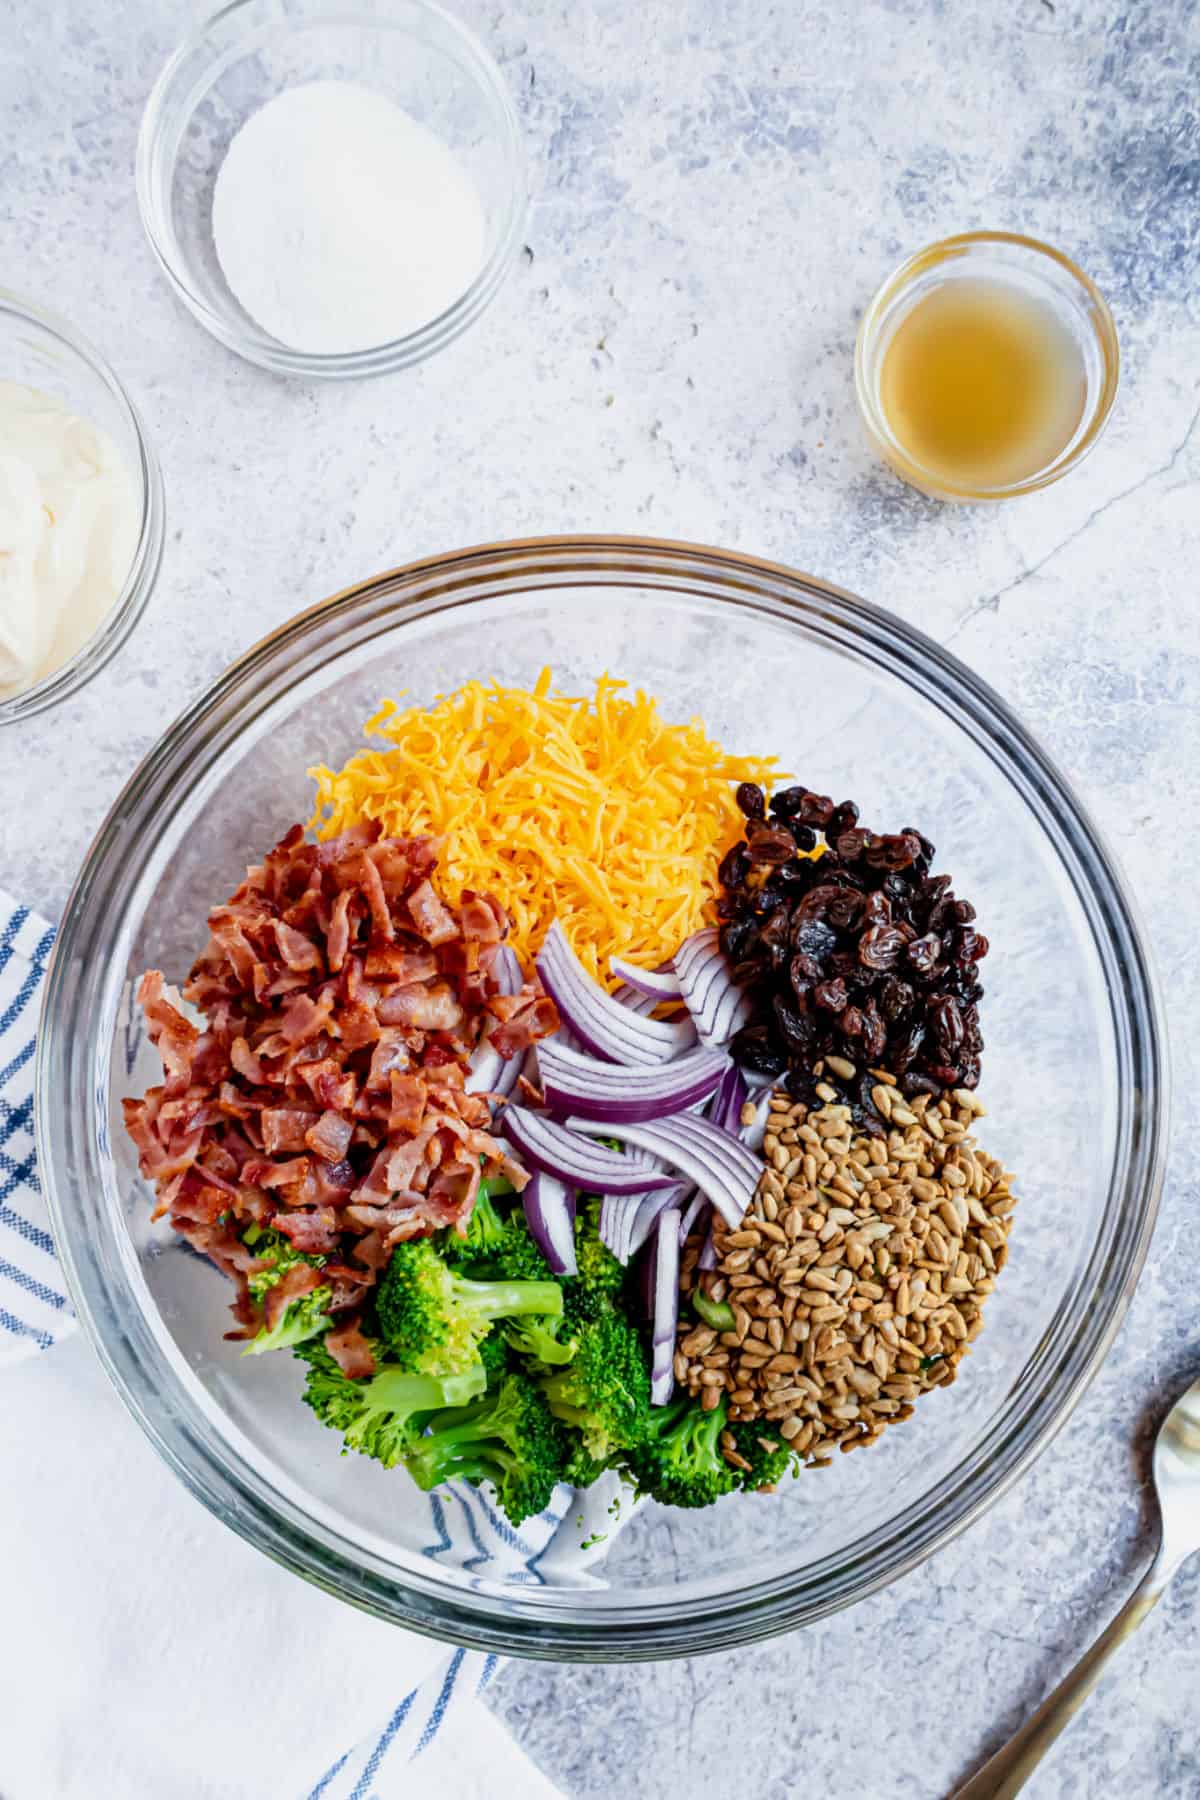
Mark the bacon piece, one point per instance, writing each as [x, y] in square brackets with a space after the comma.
[524, 1019]
[409, 1095]
[330, 1137]
[337, 941]
[483, 918]
[423, 1008]
[305, 1017]
[394, 963]
[174, 1037]
[300, 1279]
[351, 1351]
[298, 952]
[286, 1128]
[432, 917]
[315, 1233]
[329, 1084]
[390, 1053]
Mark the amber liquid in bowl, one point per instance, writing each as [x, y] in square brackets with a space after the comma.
[983, 383]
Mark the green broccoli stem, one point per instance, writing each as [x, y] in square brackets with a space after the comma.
[506, 1299]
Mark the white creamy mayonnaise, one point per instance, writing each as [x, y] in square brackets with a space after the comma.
[70, 515]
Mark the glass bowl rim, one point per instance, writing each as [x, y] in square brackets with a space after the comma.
[256, 345]
[890, 289]
[129, 605]
[71, 1109]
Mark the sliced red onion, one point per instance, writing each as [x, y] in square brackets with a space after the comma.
[698, 1204]
[752, 1135]
[714, 1000]
[550, 1215]
[491, 1073]
[627, 1220]
[666, 1307]
[616, 1210]
[708, 1256]
[721, 1167]
[653, 984]
[573, 1159]
[730, 1097]
[633, 1001]
[596, 1090]
[604, 1026]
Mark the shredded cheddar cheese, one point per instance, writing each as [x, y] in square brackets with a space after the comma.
[591, 811]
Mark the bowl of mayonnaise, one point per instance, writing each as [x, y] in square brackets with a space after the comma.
[81, 510]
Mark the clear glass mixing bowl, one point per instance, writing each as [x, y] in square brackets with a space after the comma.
[855, 703]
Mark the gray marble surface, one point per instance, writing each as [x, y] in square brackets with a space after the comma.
[720, 184]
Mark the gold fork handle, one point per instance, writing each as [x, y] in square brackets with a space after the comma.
[1008, 1771]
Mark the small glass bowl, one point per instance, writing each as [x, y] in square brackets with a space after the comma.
[1023, 262]
[40, 350]
[251, 51]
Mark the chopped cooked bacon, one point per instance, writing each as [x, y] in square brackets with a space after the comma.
[174, 1037]
[315, 1233]
[432, 1008]
[395, 963]
[409, 1096]
[523, 1019]
[298, 952]
[433, 919]
[329, 1084]
[286, 1128]
[300, 1279]
[391, 1052]
[351, 1351]
[330, 1137]
[305, 1017]
[337, 941]
[323, 1092]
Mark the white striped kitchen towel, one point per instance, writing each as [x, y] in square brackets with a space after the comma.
[34, 1309]
[464, 1753]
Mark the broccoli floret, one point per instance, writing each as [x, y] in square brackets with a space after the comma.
[753, 1439]
[516, 1256]
[303, 1317]
[597, 1285]
[605, 1391]
[538, 1340]
[485, 1231]
[381, 1417]
[510, 1438]
[493, 1354]
[433, 1317]
[582, 1467]
[679, 1460]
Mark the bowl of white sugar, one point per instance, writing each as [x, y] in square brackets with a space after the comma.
[333, 190]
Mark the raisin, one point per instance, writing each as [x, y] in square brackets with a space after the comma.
[832, 996]
[787, 802]
[880, 947]
[735, 866]
[750, 799]
[753, 1049]
[813, 937]
[842, 818]
[796, 1028]
[769, 844]
[924, 953]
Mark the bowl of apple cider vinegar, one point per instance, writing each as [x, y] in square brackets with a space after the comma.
[986, 367]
